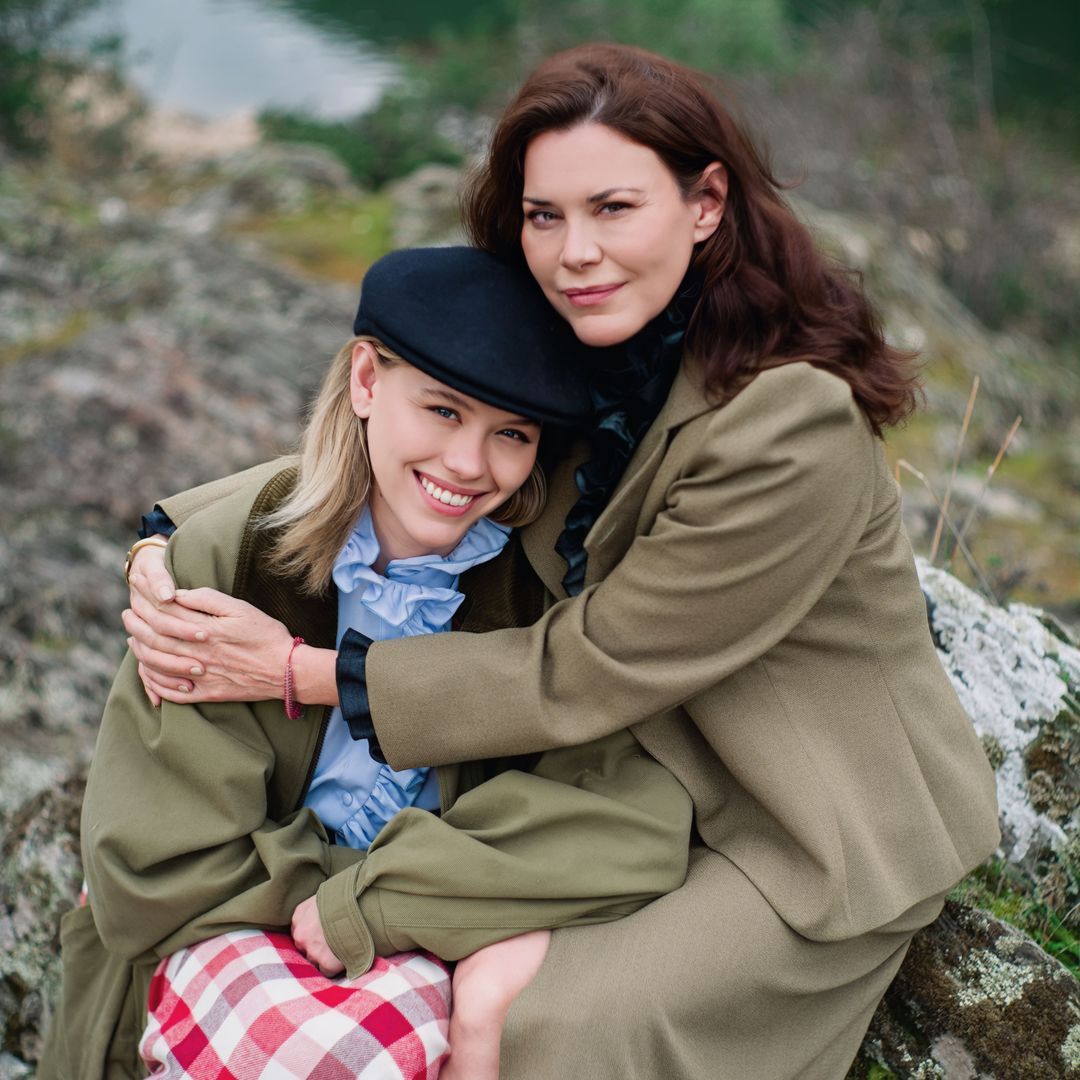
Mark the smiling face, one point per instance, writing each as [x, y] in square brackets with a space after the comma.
[607, 233]
[440, 460]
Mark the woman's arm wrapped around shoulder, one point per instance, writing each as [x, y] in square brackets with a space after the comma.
[591, 834]
[178, 838]
[771, 496]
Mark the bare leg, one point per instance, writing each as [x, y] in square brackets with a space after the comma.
[485, 985]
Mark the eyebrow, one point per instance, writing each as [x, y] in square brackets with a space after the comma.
[600, 196]
[464, 403]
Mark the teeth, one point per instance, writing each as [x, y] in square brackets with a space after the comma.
[448, 498]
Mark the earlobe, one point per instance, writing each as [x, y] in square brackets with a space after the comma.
[363, 375]
[711, 200]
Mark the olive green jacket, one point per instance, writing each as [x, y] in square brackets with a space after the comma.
[193, 825]
[752, 612]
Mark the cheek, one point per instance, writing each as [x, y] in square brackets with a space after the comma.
[537, 256]
[514, 471]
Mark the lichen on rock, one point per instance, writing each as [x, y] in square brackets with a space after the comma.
[1019, 682]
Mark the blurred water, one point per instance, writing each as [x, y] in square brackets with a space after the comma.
[214, 58]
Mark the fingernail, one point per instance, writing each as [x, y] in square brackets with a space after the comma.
[165, 594]
[184, 688]
[200, 635]
[196, 670]
[130, 642]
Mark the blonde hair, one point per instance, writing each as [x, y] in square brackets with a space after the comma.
[334, 482]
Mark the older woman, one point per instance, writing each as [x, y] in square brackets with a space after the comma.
[722, 570]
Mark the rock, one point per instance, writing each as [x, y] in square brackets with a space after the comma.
[264, 179]
[40, 878]
[138, 356]
[175, 137]
[426, 207]
[134, 360]
[1018, 676]
[919, 312]
[976, 1000]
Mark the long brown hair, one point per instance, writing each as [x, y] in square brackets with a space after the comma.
[769, 297]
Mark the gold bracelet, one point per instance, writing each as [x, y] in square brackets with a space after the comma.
[146, 541]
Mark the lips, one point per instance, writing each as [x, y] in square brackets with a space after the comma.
[595, 294]
[446, 498]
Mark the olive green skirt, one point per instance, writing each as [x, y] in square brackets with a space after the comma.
[707, 983]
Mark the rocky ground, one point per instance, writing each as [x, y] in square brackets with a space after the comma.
[148, 341]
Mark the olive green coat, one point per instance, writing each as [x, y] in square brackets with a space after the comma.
[193, 825]
[752, 611]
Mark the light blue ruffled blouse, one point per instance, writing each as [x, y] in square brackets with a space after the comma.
[353, 794]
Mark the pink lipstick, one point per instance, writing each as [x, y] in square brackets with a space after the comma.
[596, 294]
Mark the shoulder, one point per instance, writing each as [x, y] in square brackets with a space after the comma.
[791, 424]
[791, 391]
[797, 406]
[208, 546]
[184, 505]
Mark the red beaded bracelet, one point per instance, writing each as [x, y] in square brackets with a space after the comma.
[293, 709]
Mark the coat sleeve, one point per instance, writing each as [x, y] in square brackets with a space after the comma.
[178, 842]
[592, 833]
[768, 505]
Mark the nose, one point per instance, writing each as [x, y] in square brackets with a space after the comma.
[580, 248]
[465, 456]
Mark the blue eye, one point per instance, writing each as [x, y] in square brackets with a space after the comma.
[517, 436]
[444, 411]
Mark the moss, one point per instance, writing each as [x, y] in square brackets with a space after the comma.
[1042, 908]
[336, 239]
[995, 752]
[879, 1072]
[73, 328]
[1014, 989]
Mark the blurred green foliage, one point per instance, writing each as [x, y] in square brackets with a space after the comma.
[457, 71]
[28, 29]
[398, 136]
[716, 36]
[1021, 56]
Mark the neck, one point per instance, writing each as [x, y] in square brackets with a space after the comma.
[394, 542]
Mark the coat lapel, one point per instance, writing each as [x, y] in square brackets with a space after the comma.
[538, 539]
[615, 528]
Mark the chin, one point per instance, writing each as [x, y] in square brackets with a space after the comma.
[443, 537]
[601, 332]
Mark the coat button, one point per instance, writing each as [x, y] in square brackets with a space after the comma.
[347, 799]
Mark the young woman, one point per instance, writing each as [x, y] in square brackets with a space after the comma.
[207, 821]
[726, 574]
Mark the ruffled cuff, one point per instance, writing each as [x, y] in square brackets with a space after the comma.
[343, 926]
[351, 674]
[157, 521]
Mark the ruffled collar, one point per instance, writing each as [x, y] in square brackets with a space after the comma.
[417, 595]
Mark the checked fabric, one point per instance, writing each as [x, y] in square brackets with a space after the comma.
[248, 1005]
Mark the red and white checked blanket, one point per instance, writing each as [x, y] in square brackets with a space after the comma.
[248, 1006]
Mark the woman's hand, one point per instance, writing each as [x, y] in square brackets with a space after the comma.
[201, 645]
[309, 938]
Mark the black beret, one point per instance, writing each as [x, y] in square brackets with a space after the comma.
[480, 326]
